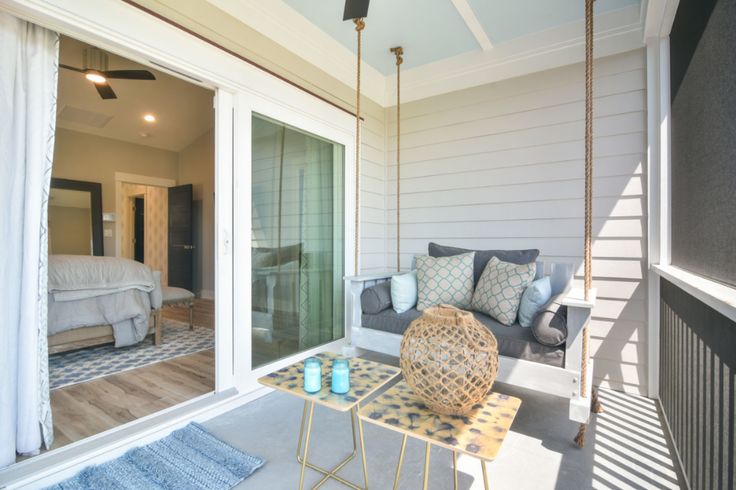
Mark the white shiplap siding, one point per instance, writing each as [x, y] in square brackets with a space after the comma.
[501, 166]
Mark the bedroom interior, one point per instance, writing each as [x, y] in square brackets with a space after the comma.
[377, 202]
[130, 232]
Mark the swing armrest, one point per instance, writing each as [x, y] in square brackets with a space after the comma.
[354, 286]
[578, 316]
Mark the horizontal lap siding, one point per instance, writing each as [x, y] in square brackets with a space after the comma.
[501, 166]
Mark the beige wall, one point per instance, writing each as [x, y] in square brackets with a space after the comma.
[500, 166]
[70, 230]
[208, 20]
[197, 167]
[81, 156]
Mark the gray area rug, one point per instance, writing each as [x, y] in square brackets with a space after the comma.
[188, 458]
[86, 364]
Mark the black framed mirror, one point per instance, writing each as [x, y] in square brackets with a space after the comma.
[75, 217]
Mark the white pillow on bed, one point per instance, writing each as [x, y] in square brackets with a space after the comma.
[404, 291]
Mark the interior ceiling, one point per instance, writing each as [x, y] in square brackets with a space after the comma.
[432, 30]
[183, 110]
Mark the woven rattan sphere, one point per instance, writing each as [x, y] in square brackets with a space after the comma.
[449, 359]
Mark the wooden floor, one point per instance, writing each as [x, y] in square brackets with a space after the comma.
[88, 408]
[85, 409]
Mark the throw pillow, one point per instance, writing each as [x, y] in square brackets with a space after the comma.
[550, 325]
[404, 291]
[483, 256]
[445, 280]
[500, 287]
[376, 298]
[533, 300]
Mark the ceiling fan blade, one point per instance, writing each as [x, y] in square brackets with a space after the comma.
[72, 68]
[105, 91]
[355, 9]
[130, 74]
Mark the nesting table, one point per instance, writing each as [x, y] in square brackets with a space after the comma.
[365, 378]
[480, 433]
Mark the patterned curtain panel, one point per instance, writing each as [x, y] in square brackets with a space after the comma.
[28, 82]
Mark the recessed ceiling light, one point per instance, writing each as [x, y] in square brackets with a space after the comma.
[149, 118]
[95, 77]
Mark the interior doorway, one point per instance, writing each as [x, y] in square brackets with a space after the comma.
[139, 229]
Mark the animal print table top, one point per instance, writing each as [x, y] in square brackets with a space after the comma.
[480, 433]
[365, 378]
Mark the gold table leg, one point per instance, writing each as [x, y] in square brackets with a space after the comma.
[306, 443]
[362, 448]
[454, 470]
[302, 459]
[426, 466]
[485, 474]
[401, 461]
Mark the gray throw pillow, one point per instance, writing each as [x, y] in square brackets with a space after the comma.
[482, 257]
[445, 280]
[376, 298]
[550, 325]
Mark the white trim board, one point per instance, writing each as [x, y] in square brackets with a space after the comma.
[144, 180]
[718, 296]
[617, 31]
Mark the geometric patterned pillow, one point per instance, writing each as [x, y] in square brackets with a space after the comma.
[445, 280]
[500, 287]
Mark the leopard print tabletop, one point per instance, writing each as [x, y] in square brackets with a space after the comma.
[365, 378]
[479, 433]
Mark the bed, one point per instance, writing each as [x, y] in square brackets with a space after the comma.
[96, 300]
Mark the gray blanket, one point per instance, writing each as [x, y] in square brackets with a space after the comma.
[127, 312]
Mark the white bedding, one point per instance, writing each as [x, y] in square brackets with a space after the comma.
[74, 277]
[87, 291]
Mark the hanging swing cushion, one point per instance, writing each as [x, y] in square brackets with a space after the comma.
[500, 287]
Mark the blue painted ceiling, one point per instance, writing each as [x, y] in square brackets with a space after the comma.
[431, 30]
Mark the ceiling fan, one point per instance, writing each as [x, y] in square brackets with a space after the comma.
[95, 70]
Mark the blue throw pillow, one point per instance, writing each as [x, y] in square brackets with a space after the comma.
[533, 300]
[404, 291]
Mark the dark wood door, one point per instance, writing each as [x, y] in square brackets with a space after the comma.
[181, 247]
[140, 230]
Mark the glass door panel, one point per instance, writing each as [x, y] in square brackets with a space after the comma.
[297, 241]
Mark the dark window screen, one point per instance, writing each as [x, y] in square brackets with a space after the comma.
[703, 91]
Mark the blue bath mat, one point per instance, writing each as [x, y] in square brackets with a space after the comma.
[188, 458]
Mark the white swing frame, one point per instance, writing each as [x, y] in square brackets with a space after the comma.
[564, 382]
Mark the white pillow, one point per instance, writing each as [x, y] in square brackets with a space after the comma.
[404, 291]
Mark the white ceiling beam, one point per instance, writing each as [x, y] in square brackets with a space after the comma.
[467, 14]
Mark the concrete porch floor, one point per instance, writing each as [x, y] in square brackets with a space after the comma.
[626, 447]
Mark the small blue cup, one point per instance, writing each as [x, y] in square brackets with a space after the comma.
[312, 375]
[340, 376]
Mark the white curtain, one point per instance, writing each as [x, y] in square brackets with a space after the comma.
[28, 79]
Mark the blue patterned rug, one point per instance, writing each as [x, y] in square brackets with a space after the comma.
[188, 458]
[86, 364]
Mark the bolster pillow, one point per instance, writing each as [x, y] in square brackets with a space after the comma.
[550, 325]
[376, 298]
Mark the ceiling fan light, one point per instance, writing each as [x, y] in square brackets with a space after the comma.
[149, 118]
[95, 77]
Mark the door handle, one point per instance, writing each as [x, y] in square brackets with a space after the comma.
[185, 247]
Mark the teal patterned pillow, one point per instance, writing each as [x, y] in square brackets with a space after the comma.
[500, 287]
[445, 280]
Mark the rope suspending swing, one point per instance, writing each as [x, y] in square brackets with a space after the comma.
[588, 233]
[398, 51]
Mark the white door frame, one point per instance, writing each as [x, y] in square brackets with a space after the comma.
[240, 88]
[126, 178]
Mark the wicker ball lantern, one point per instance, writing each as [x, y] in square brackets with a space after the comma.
[449, 359]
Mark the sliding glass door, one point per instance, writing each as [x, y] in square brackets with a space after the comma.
[297, 241]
